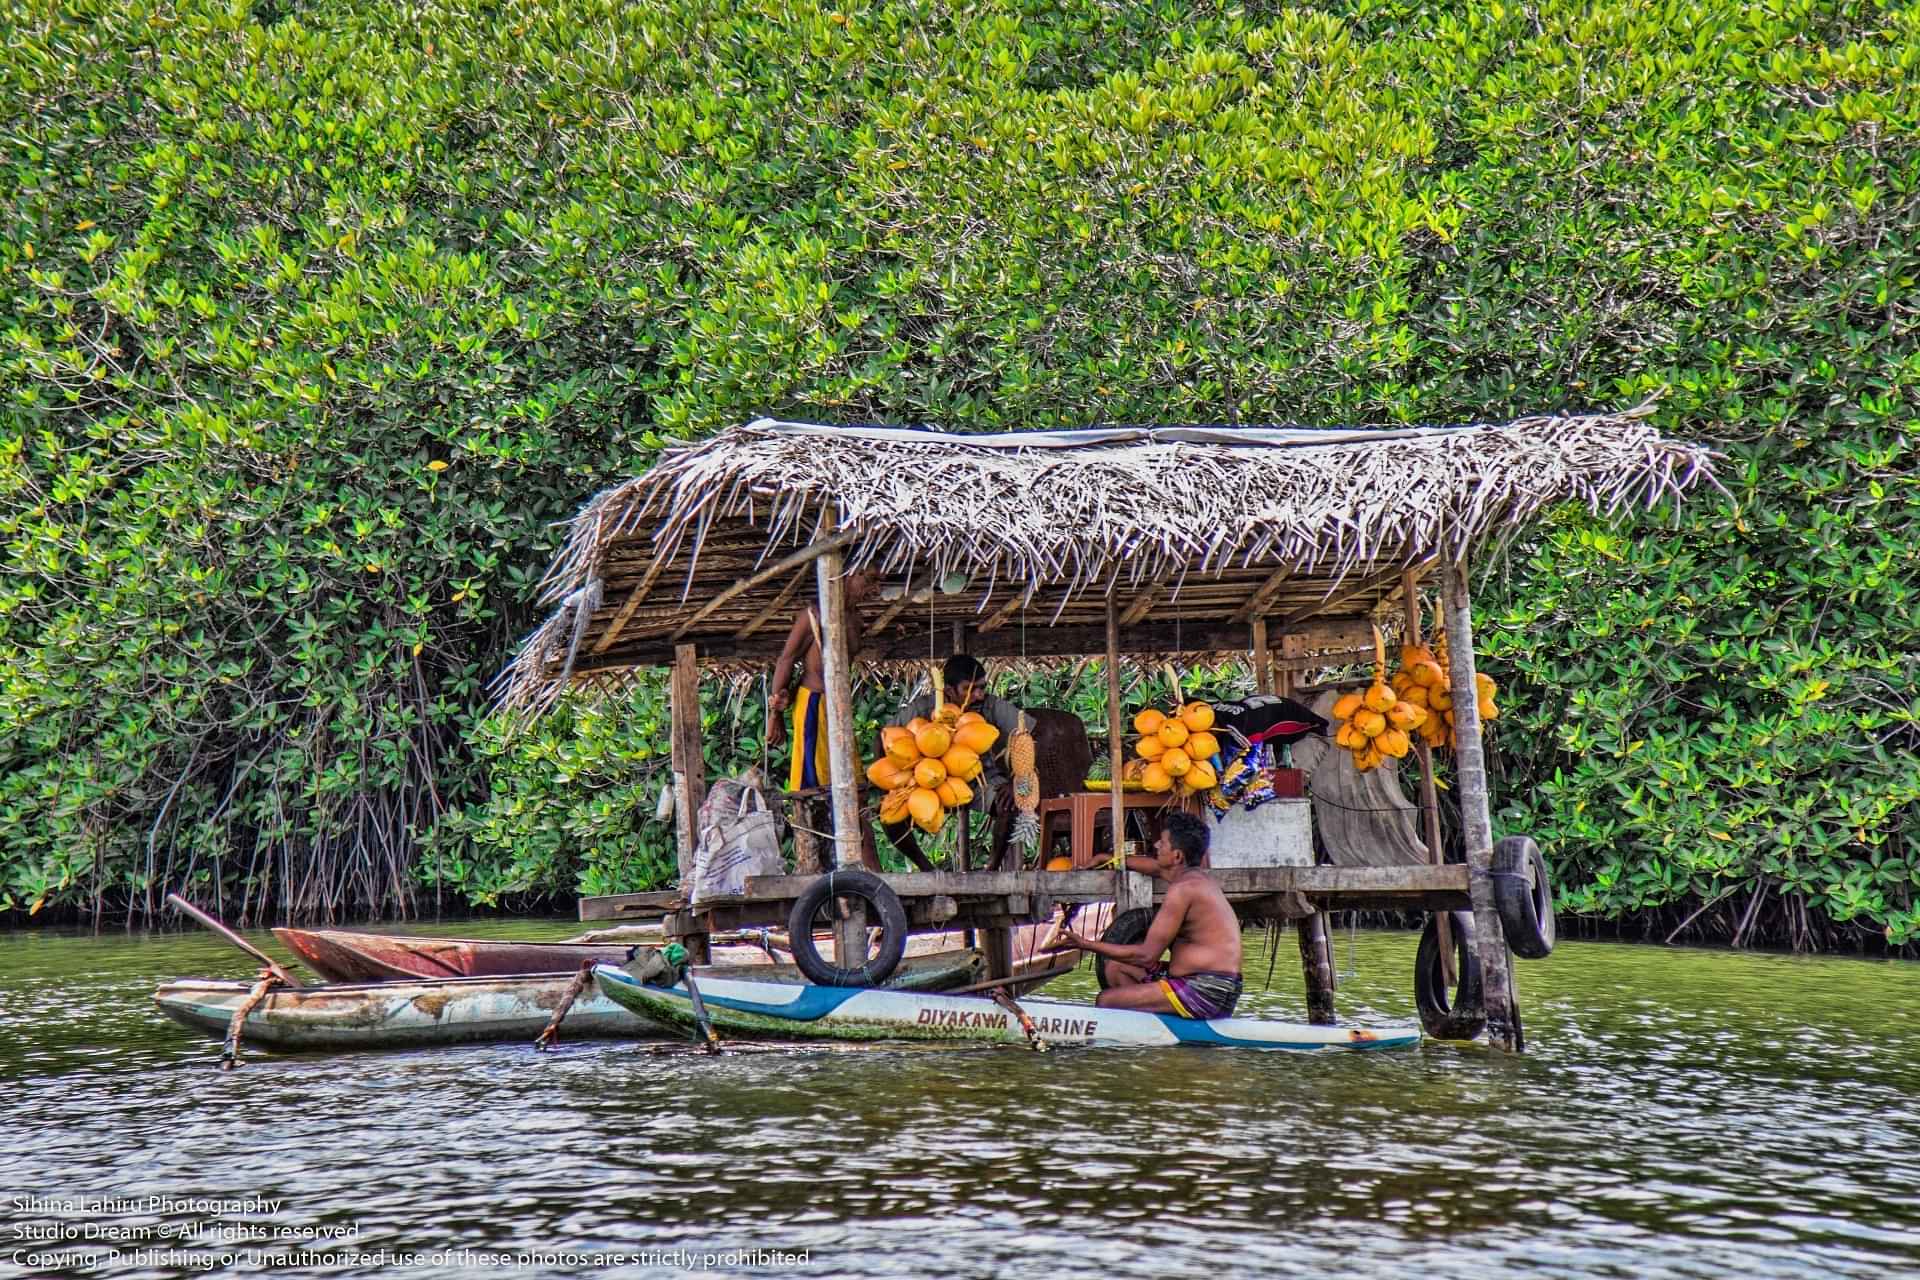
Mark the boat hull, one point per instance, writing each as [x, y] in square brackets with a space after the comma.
[845, 1013]
[393, 1015]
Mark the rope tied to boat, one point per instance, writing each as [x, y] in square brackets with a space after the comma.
[230, 1049]
[581, 981]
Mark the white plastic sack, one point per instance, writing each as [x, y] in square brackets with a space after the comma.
[738, 837]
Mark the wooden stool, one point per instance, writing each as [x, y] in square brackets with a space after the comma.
[1083, 811]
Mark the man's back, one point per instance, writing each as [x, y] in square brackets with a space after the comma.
[1209, 936]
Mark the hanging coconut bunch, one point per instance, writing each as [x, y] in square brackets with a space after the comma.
[1424, 681]
[925, 765]
[1175, 751]
[1376, 723]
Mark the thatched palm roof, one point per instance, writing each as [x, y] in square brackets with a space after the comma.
[1020, 537]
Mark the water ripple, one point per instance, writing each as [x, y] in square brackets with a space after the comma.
[1683, 1114]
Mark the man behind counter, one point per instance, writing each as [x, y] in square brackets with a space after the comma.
[966, 687]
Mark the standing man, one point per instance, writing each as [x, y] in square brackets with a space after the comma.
[809, 769]
[965, 682]
[1201, 978]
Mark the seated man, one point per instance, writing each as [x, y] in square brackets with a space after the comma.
[965, 681]
[1201, 978]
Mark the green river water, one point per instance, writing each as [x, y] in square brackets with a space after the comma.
[1681, 1113]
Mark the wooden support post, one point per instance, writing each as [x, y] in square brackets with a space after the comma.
[689, 775]
[1316, 962]
[1123, 887]
[850, 935]
[1316, 930]
[689, 766]
[809, 817]
[1476, 820]
[837, 674]
[998, 941]
[1429, 792]
[1262, 659]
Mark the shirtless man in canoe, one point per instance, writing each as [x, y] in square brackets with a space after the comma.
[1201, 978]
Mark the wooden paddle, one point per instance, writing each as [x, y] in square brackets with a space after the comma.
[182, 905]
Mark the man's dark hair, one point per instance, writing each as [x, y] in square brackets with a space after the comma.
[1189, 835]
[961, 668]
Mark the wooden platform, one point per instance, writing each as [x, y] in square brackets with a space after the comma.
[985, 899]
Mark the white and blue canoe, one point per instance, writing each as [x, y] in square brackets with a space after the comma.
[800, 1012]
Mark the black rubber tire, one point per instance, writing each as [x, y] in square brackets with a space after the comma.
[1526, 909]
[1127, 928]
[883, 905]
[1460, 1014]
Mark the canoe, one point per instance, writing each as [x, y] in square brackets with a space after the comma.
[340, 955]
[391, 1015]
[442, 1011]
[852, 1013]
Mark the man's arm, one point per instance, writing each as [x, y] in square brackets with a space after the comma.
[779, 697]
[1160, 934]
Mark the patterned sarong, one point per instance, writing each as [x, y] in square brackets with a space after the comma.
[1202, 996]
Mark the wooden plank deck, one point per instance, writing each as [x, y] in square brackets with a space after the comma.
[982, 899]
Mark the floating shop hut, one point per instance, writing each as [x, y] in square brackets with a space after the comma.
[1285, 545]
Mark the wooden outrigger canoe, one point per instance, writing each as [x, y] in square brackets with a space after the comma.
[445, 1011]
[392, 1015]
[852, 1013]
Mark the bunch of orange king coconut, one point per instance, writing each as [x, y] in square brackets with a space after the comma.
[1378, 723]
[925, 765]
[1174, 752]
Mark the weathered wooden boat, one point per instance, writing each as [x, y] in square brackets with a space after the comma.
[442, 1011]
[341, 955]
[800, 1012]
[390, 1015]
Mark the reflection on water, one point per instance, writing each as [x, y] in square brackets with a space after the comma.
[1683, 1113]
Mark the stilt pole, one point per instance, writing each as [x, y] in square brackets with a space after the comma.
[1126, 887]
[689, 773]
[1315, 931]
[1476, 820]
[850, 937]
[1429, 791]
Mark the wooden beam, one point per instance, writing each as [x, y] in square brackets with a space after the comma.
[1370, 587]
[831, 544]
[1003, 613]
[1143, 602]
[778, 606]
[1262, 594]
[1262, 660]
[1063, 886]
[1476, 821]
[1040, 642]
[631, 906]
[892, 611]
[634, 598]
[689, 765]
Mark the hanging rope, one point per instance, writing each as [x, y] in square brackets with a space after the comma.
[230, 1050]
[581, 980]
